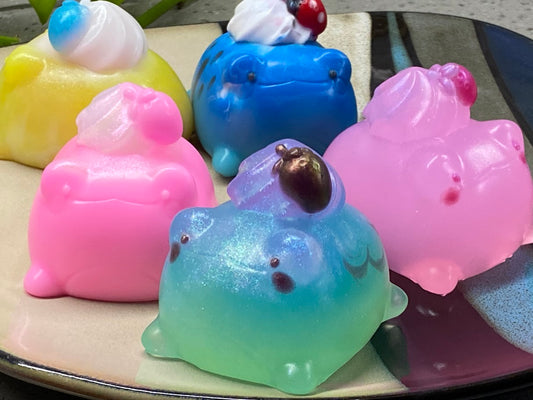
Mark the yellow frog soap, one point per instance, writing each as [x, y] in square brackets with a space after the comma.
[44, 84]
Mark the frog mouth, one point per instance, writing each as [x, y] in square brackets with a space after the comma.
[317, 75]
[274, 69]
[269, 79]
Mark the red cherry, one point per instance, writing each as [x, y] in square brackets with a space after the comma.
[465, 85]
[464, 82]
[309, 13]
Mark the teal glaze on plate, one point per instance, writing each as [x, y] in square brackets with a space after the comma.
[282, 298]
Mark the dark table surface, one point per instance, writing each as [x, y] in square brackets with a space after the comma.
[14, 389]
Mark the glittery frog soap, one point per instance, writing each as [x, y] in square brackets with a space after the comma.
[268, 79]
[281, 285]
[100, 220]
[450, 196]
[89, 47]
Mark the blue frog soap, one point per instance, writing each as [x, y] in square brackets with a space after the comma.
[267, 79]
[281, 285]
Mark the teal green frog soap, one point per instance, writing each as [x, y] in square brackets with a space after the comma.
[281, 285]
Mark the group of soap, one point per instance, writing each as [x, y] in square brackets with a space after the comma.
[241, 285]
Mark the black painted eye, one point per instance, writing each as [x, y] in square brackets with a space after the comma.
[251, 77]
[333, 74]
[184, 238]
[274, 262]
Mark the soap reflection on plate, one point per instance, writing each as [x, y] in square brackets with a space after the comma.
[482, 329]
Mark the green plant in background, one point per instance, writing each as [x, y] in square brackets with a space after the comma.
[44, 8]
[8, 40]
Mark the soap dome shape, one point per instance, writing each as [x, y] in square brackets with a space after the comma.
[41, 94]
[246, 95]
[450, 196]
[99, 222]
[273, 295]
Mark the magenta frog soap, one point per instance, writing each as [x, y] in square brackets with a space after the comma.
[44, 84]
[99, 222]
[281, 285]
[449, 196]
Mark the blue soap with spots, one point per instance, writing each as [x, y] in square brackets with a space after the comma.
[246, 95]
[67, 24]
[281, 285]
[504, 298]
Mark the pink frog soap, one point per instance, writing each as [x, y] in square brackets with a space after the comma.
[450, 196]
[100, 220]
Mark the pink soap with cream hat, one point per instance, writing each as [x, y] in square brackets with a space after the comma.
[99, 223]
[450, 197]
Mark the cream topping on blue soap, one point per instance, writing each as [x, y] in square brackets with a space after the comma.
[267, 22]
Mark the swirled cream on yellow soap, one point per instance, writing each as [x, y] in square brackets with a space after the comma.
[44, 84]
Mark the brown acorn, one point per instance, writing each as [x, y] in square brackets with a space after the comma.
[304, 177]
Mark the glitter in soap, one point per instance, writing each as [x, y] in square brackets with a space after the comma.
[246, 283]
[99, 222]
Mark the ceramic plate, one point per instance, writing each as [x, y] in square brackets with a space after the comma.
[480, 334]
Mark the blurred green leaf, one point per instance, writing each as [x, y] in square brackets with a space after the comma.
[43, 8]
[156, 11]
[117, 2]
[8, 40]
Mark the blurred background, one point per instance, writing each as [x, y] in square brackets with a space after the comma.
[19, 19]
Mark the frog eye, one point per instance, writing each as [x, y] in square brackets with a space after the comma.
[189, 225]
[242, 69]
[282, 282]
[336, 65]
[175, 247]
[62, 181]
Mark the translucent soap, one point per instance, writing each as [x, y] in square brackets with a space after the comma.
[450, 196]
[44, 84]
[281, 285]
[268, 79]
[99, 222]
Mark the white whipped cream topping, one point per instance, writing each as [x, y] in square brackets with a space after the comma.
[267, 22]
[105, 124]
[114, 39]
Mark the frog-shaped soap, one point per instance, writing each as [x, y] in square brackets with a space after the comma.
[281, 285]
[449, 196]
[44, 84]
[99, 222]
[266, 79]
